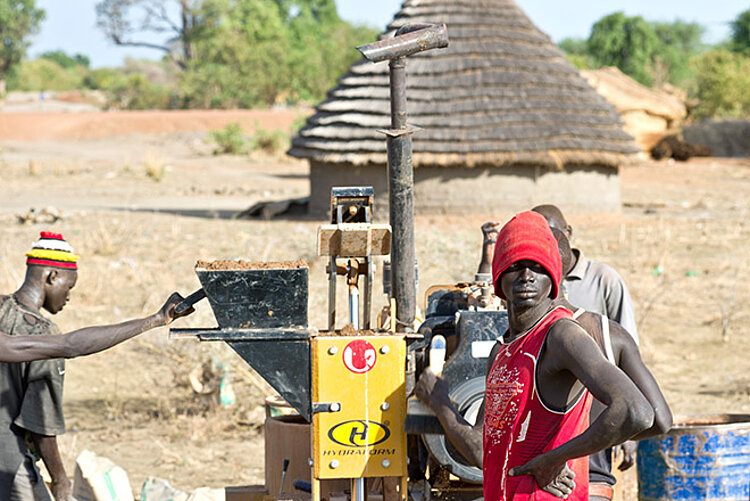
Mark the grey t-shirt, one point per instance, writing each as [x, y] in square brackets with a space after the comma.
[30, 392]
[599, 288]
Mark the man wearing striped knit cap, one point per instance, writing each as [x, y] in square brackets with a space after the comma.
[31, 414]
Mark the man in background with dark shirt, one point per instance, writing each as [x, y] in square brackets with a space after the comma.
[31, 413]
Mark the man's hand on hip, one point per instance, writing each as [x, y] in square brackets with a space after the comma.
[554, 478]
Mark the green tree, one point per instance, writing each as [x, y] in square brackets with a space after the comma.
[45, 74]
[66, 61]
[241, 49]
[574, 46]
[102, 78]
[136, 92]
[679, 41]
[259, 52]
[18, 20]
[322, 46]
[577, 52]
[741, 33]
[722, 80]
[242, 53]
[626, 42]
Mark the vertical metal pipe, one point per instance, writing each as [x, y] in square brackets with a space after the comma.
[332, 294]
[367, 303]
[358, 489]
[401, 200]
[398, 92]
[354, 306]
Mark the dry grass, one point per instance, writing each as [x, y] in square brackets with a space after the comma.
[155, 165]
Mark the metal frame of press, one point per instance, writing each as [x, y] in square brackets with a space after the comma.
[352, 388]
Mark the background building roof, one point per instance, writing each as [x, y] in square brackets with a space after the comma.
[502, 93]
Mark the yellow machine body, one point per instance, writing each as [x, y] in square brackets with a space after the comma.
[365, 376]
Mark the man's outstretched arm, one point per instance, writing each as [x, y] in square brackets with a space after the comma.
[84, 341]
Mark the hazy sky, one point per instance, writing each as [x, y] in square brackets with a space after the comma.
[71, 24]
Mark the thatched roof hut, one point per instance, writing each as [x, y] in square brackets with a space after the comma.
[507, 121]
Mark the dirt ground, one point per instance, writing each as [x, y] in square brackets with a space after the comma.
[142, 208]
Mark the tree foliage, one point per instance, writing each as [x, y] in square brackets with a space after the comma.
[653, 53]
[626, 42]
[240, 58]
[241, 53]
[679, 41]
[65, 60]
[722, 81]
[576, 51]
[741, 33]
[18, 20]
[136, 92]
[259, 52]
[45, 74]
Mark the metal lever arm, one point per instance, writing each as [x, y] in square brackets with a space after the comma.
[409, 39]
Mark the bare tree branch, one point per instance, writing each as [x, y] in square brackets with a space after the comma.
[134, 43]
[116, 19]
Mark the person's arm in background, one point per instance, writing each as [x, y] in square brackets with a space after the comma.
[630, 362]
[84, 341]
[490, 230]
[46, 446]
[465, 437]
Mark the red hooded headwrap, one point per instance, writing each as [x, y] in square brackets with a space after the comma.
[526, 236]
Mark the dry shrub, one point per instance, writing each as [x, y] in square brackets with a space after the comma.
[34, 168]
[156, 166]
[270, 142]
[104, 240]
[230, 139]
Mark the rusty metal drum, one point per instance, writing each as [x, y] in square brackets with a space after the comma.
[699, 459]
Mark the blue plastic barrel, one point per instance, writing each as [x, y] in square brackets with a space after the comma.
[699, 459]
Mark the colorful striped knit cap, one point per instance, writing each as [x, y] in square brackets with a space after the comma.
[52, 250]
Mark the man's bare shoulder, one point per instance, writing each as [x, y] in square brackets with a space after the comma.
[566, 325]
[566, 335]
[622, 341]
[590, 321]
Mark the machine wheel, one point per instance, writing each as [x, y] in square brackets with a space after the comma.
[468, 396]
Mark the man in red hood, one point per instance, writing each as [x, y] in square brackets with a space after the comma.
[534, 435]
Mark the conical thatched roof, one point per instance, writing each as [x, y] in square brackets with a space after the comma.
[501, 94]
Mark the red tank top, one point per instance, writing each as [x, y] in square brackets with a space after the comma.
[519, 427]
